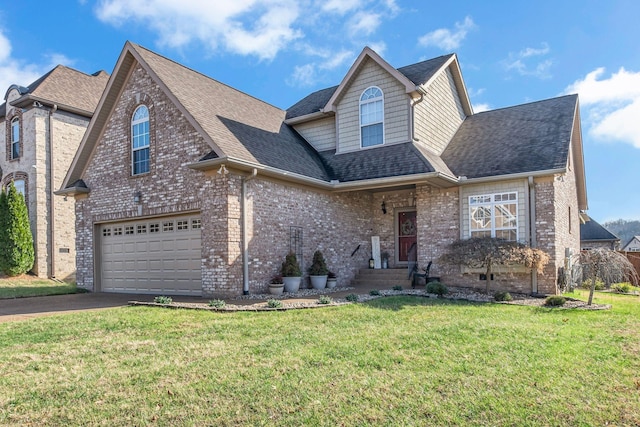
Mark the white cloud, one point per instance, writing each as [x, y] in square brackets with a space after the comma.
[447, 39]
[341, 6]
[248, 27]
[303, 76]
[525, 65]
[364, 24]
[13, 71]
[611, 105]
[335, 60]
[479, 108]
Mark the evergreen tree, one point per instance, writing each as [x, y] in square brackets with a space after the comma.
[16, 240]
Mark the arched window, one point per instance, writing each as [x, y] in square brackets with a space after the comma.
[19, 184]
[140, 141]
[371, 117]
[15, 138]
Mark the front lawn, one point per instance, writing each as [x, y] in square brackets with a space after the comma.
[392, 361]
[29, 286]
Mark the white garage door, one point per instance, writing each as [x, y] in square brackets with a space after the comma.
[159, 256]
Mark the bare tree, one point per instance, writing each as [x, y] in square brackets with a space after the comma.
[608, 266]
[488, 252]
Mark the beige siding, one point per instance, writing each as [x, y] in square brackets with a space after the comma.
[396, 108]
[519, 186]
[439, 115]
[321, 134]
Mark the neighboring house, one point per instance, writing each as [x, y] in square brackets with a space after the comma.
[633, 245]
[43, 125]
[593, 235]
[185, 185]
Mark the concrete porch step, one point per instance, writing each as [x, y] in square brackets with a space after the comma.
[381, 278]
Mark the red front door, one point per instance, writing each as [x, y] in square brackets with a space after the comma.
[407, 236]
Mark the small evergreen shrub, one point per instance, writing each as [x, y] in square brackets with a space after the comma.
[161, 299]
[621, 288]
[17, 254]
[352, 297]
[397, 288]
[599, 284]
[274, 303]
[325, 299]
[555, 301]
[502, 296]
[318, 266]
[217, 303]
[437, 288]
[290, 266]
[374, 292]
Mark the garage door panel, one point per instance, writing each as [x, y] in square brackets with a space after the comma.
[161, 256]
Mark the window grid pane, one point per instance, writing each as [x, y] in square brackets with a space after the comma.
[372, 135]
[494, 215]
[140, 141]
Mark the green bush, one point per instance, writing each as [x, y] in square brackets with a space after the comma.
[555, 301]
[352, 297]
[502, 296]
[325, 299]
[374, 292]
[599, 284]
[621, 288]
[161, 299]
[16, 240]
[318, 265]
[397, 288]
[274, 303]
[217, 303]
[437, 288]
[290, 266]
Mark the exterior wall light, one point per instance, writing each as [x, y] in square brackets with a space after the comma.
[384, 208]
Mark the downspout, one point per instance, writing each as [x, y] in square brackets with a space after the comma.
[413, 113]
[245, 240]
[52, 211]
[532, 231]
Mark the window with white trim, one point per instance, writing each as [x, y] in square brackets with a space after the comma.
[494, 215]
[140, 141]
[15, 138]
[371, 117]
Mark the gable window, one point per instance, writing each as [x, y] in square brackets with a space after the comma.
[494, 215]
[140, 141]
[371, 117]
[19, 184]
[15, 138]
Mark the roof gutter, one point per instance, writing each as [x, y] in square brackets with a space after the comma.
[29, 99]
[336, 186]
[306, 118]
[522, 175]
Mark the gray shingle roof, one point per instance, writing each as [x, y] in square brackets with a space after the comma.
[241, 126]
[67, 87]
[382, 162]
[418, 73]
[525, 138]
[591, 230]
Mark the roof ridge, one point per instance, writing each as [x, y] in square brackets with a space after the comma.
[554, 98]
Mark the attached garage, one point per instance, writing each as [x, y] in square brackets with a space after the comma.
[159, 256]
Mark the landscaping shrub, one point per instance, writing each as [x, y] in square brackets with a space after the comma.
[161, 299]
[324, 299]
[16, 240]
[274, 303]
[374, 292]
[587, 284]
[555, 301]
[352, 297]
[217, 303]
[397, 288]
[437, 288]
[621, 288]
[502, 296]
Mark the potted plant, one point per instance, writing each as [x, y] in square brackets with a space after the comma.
[318, 271]
[291, 273]
[385, 259]
[332, 280]
[276, 286]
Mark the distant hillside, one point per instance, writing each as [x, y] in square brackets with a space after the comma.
[624, 229]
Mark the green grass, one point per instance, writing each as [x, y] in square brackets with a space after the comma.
[392, 361]
[26, 286]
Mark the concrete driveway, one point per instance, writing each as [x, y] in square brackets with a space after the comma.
[27, 308]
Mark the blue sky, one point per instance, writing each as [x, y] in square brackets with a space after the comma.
[511, 52]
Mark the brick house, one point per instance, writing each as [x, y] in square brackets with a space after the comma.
[185, 185]
[43, 125]
[593, 235]
[632, 245]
